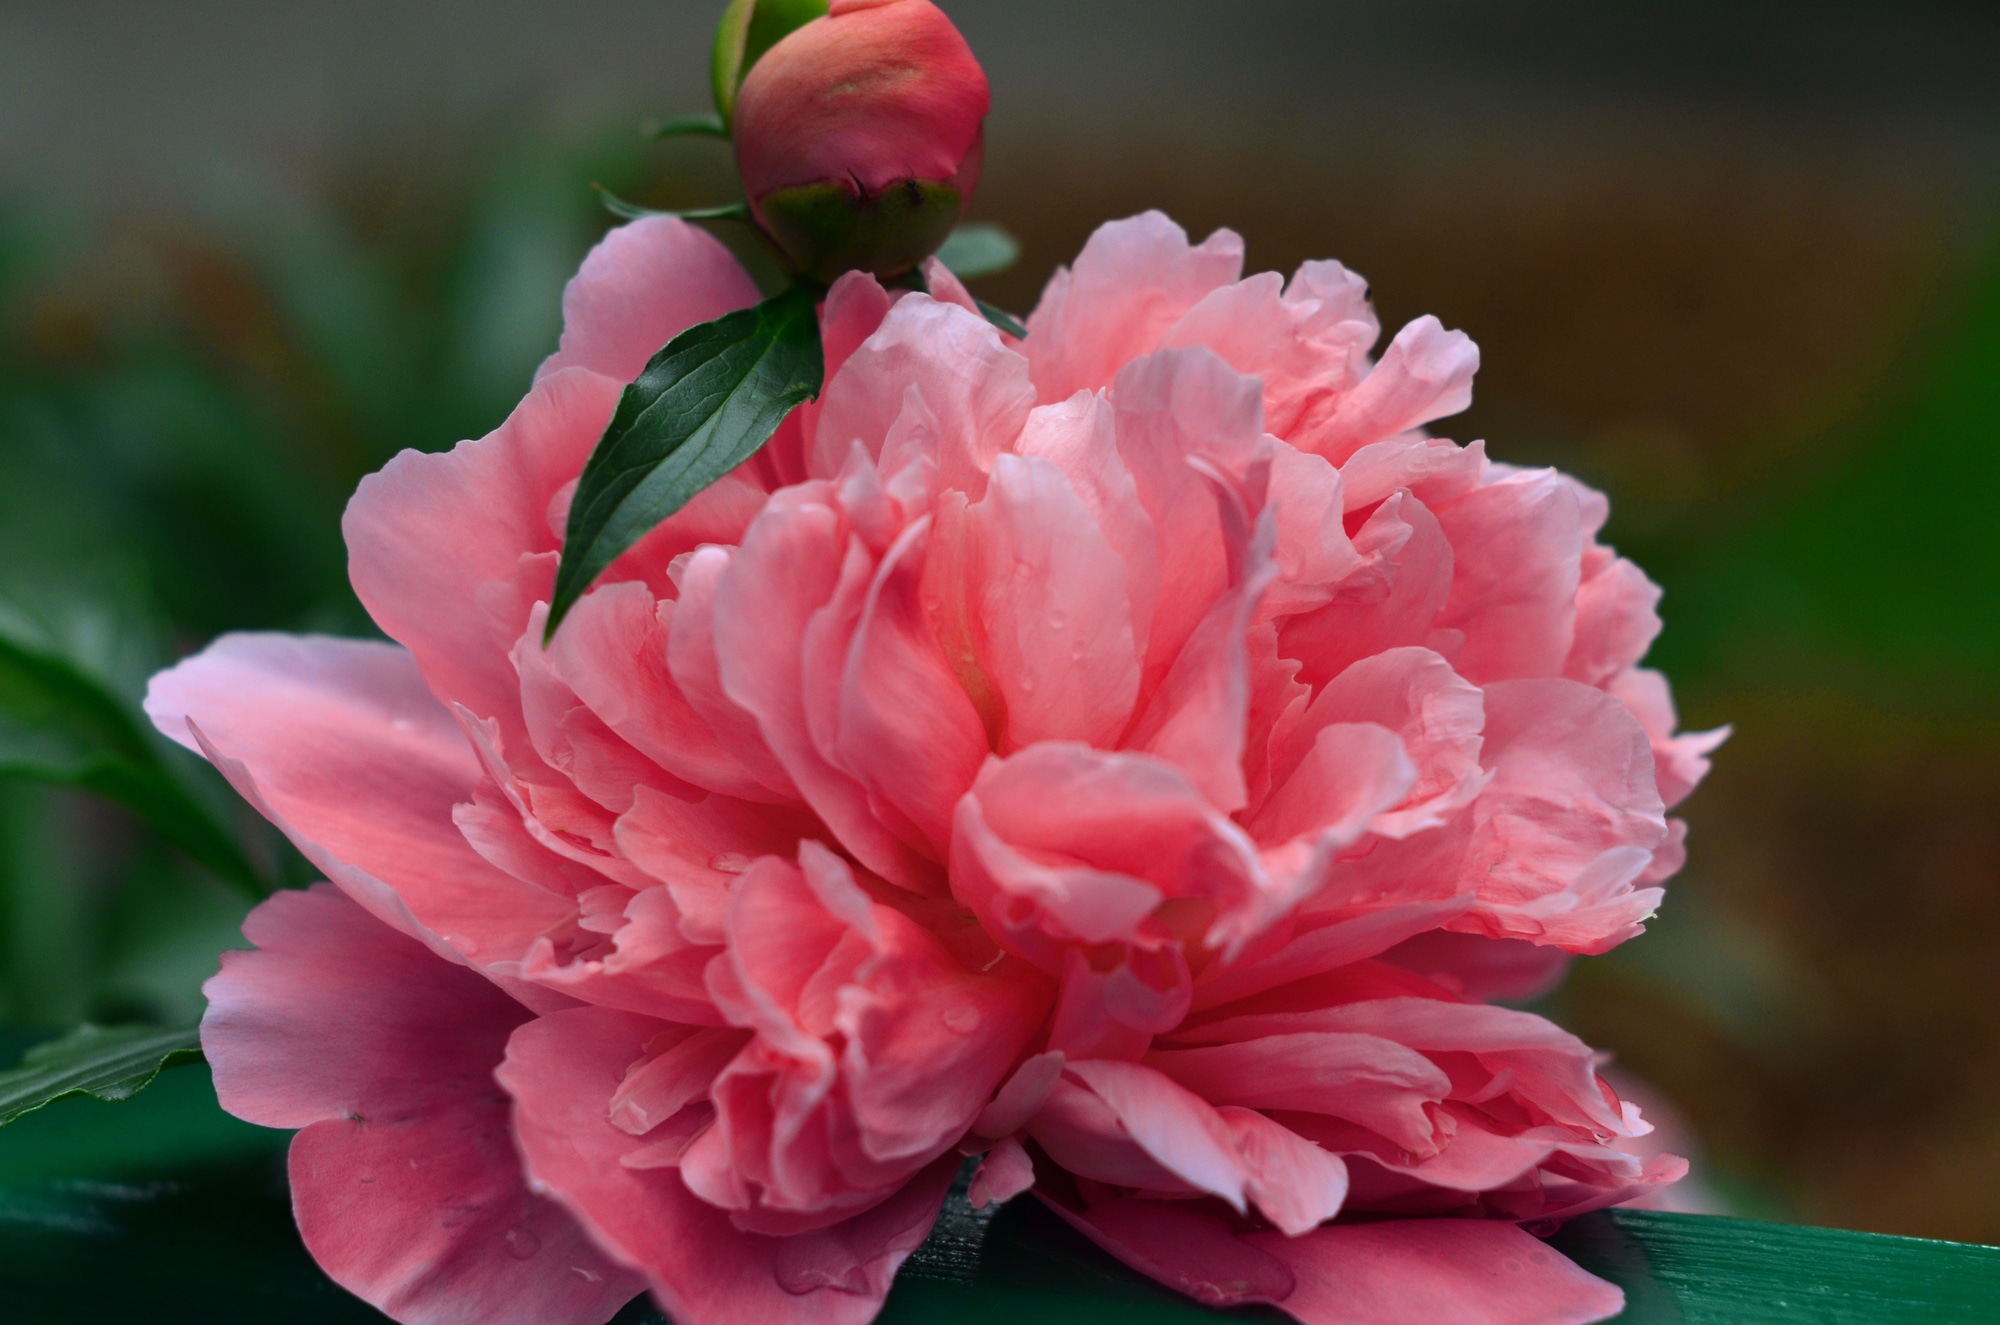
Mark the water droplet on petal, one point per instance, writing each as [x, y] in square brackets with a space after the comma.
[964, 1018]
[729, 862]
[521, 1244]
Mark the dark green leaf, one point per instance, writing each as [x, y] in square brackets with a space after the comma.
[58, 723]
[702, 407]
[110, 1062]
[687, 126]
[979, 248]
[632, 211]
[1002, 319]
[748, 29]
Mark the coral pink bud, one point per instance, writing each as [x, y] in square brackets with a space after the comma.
[859, 136]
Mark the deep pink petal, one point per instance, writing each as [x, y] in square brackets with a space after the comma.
[646, 282]
[404, 1180]
[562, 1072]
[1366, 1079]
[1395, 597]
[1425, 374]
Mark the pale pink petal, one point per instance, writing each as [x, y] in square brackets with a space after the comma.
[699, 848]
[1425, 374]
[340, 745]
[1176, 1127]
[1392, 601]
[612, 652]
[1325, 948]
[1681, 762]
[1134, 279]
[1380, 1084]
[1616, 622]
[1517, 546]
[1021, 1098]
[449, 552]
[1055, 609]
[1003, 1174]
[1304, 352]
[690, 625]
[1351, 777]
[1294, 1183]
[1170, 408]
[1435, 471]
[404, 1180]
[646, 282]
[907, 731]
[1313, 552]
[1080, 437]
[770, 597]
[1437, 715]
[562, 1072]
[975, 387]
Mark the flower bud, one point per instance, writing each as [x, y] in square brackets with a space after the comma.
[859, 137]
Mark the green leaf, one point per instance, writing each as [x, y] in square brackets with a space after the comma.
[979, 248]
[1002, 319]
[60, 724]
[632, 211]
[748, 29]
[110, 1062]
[702, 407]
[686, 126]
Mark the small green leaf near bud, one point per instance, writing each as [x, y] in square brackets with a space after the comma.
[979, 248]
[748, 29]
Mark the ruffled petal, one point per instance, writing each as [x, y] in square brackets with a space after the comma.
[562, 1071]
[339, 743]
[645, 283]
[404, 1178]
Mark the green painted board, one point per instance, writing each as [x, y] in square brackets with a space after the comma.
[164, 1210]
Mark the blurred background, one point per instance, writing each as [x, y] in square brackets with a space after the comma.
[1737, 264]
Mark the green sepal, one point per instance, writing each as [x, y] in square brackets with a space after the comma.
[110, 1062]
[748, 29]
[686, 126]
[632, 211]
[979, 248]
[703, 406]
[830, 228]
[1002, 319]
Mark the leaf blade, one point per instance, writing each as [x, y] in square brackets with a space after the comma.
[111, 1063]
[979, 248]
[703, 405]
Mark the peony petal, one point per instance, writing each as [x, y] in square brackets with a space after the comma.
[1176, 1127]
[562, 1070]
[1393, 601]
[1005, 1173]
[1055, 609]
[907, 731]
[449, 552]
[975, 387]
[1425, 374]
[645, 283]
[612, 652]
[1367, 1079]
[1517, 547]
[404, 1180]
[771, 595]
[1439, 1271]
[1297, 1185]
[339, 744]
[1616, 621]
[1171, 408]
[1134, 279]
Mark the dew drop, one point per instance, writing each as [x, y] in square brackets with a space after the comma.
[964, 1018]
[1058, 621]
[521, 1244]
[729, 862]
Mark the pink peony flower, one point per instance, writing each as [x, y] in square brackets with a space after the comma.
[859, 136]
[1131, 756]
